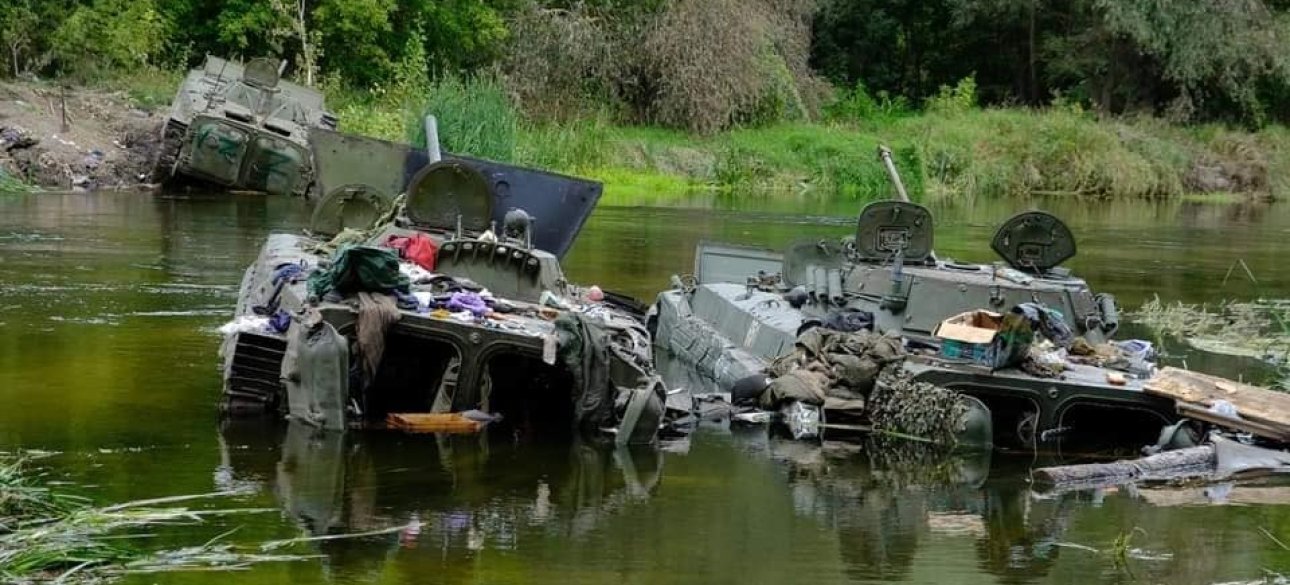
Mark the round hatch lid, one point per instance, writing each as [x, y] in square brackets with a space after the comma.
[441, 192]
[353, 206]
[886, 227]
[261, 72]
[1035, 241]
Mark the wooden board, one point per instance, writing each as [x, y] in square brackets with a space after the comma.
[1243, 495]
[1269, 410]
[425, 422]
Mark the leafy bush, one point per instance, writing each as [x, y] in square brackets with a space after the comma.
[954, 100]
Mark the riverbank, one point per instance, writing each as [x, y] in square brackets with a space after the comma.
[958, 152]
[77, 138]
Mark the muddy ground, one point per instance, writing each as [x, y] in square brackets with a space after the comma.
[107, 143]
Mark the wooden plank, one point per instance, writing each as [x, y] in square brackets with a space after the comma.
[426, 422]
[1259, 428]
[1246, 495]
[1252, 402]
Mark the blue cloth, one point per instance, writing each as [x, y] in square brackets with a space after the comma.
[280, 321]
[290, 272]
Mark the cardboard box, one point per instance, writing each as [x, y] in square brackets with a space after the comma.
[982, 337]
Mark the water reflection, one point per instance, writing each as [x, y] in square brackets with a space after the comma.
[453, 493]
[875, 502]
[884, 497]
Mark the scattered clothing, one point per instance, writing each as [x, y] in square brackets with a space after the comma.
[376, 312]
[280, 321]
[245, 324]
[418, 249]
[357, 269]
[467, 301]
[1048, 322]
[849, 320]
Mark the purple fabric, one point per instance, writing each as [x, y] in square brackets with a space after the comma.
[468, 301]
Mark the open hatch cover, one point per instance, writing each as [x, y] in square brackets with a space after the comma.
[559, 204]
[1034, 241]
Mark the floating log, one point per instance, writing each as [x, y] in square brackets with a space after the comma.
[427, 422]
[1262, 412]
[1188, 462]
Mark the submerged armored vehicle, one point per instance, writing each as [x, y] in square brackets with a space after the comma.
[743, 308]
[241, 126]
[334, 328]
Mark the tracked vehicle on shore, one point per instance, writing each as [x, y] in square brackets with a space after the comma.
[743, 310]
[242, 127]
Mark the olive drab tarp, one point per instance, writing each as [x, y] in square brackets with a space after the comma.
[359, 269]
[315, 371]
[583, 347]
[608, 380]
[843, 366]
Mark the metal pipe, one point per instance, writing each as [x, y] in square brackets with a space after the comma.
[834, 278]
[432, 139]
[821, 278]
[885, 154]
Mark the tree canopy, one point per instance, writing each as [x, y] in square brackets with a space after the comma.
[707, 64]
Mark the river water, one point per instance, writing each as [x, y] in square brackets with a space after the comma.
[109, 305]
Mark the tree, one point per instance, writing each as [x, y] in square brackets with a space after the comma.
[295, 12]
[1208, 50]
[355, 33]
[18, 24]
[107, 34]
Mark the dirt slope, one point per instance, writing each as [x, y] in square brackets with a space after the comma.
[107, 143]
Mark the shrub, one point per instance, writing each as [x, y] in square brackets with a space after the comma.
[954, 100]
[474, 114]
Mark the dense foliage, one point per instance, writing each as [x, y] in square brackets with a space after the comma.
[706, 65]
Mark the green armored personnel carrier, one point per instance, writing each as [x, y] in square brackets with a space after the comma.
[448, 299]
[744, 310]
[242, 127]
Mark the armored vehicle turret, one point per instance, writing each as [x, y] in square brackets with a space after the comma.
[242, 127]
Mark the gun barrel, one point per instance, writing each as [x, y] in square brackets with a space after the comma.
[885, 154]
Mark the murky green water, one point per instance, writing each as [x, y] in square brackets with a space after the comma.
[109, 304]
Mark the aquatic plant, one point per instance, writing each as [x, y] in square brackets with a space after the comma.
[46, 535]
[1256, 329]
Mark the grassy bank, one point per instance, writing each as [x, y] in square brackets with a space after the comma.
[10, 184]
[951, 149]
[950, 152]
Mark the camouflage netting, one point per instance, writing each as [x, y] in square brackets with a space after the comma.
[899, 404]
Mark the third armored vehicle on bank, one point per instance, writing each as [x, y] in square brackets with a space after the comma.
[242, 127]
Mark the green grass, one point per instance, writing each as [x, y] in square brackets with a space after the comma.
[148, 88]
[955, 152]
[11, 184]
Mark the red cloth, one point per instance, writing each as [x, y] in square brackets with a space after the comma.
[418, 248]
